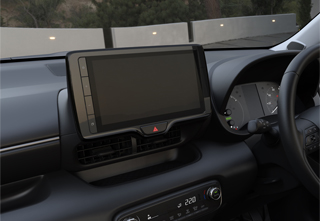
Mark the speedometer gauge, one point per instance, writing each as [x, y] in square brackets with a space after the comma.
[269, 95]
[272, 96]
[234, 113]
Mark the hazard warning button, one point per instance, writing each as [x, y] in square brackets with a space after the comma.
[155, 128]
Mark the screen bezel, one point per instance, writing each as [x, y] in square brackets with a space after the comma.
[77, 98]
[141, 121]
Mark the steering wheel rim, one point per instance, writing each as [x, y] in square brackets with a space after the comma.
[291, 137]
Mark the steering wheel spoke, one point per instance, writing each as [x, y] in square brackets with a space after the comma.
[311, 131]
[311, 139]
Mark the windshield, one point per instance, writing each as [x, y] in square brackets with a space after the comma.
[33, 27]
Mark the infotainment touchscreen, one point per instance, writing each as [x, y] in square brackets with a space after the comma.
[143, 90]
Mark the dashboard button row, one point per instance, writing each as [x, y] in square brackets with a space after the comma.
[92, 123]
[313, 148]
[311, 130]
[89, 105]
[86, 86]
[179, 216]
[312, 139]
[87, 95]
[83, 67]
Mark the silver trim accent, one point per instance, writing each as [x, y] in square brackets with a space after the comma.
[210, 192]
[28, 144]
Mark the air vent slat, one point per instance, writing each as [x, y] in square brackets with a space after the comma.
[108, 149]
[112, 148]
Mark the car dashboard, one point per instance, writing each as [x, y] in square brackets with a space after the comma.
[251, 101]
[200, 169]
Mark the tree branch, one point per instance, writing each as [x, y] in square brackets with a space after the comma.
[32, 16]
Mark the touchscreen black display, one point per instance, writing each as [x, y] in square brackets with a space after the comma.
[136, 89]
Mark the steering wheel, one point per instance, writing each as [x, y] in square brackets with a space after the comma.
[299, 135]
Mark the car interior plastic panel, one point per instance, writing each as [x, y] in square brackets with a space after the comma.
[72, 194]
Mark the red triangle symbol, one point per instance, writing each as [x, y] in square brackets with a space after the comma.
[155, 129]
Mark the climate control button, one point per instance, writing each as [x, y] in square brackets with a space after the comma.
[214, 193]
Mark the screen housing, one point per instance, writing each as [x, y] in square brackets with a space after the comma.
[77, 98]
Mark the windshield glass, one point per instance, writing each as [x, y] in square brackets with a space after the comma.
[33, 27]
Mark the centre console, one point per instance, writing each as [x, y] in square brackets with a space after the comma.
[189, 204]
[126, 103]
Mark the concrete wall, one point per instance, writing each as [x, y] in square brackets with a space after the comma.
[167, 34]
[215, 30]
[35, 41]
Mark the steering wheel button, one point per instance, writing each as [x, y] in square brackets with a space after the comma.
[308, 140]
[309, 131]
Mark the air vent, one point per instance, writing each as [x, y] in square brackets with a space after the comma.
[104, 150]
[113, 148]
[172, 137]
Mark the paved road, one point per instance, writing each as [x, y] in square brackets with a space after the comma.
[260, 41]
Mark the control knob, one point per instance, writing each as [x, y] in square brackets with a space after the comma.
[231, 123]
[227, 112]
[214, 193]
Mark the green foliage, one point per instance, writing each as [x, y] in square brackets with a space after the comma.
[267, 7]
[118, 13]
[39, 13]
[6, 1]
[261, 7]
[167, 11]
[124, 13]
[3, 23]
[83, 17]
[197, 10]
[230, 8]
[304, 12]
[4, 19]
[236, 8]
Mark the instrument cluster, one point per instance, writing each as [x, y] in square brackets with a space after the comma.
[251, 101]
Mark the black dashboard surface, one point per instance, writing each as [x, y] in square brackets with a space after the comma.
[72, 199]
[29, 112]
[250, 83]
[29, 93]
